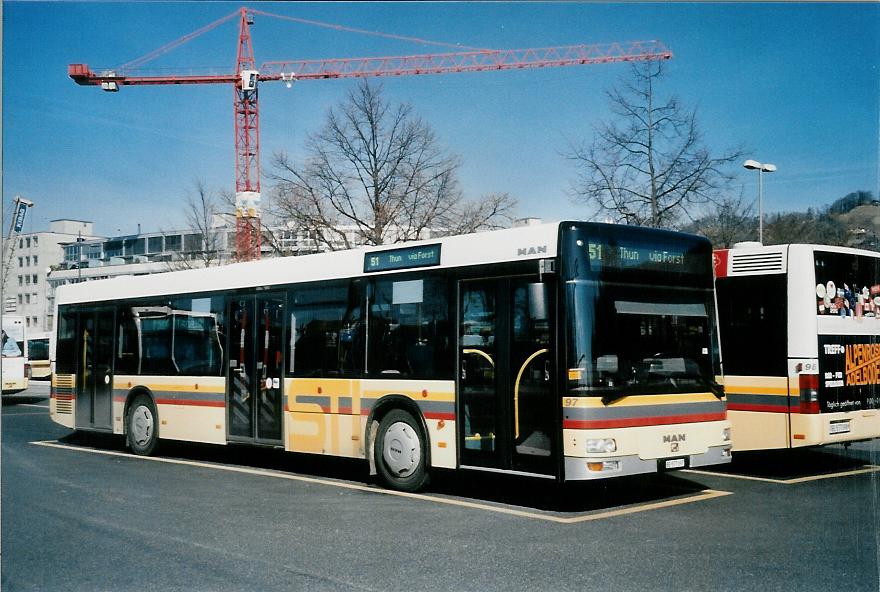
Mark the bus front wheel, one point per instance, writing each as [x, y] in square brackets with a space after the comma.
[142, 426]
[400, 452]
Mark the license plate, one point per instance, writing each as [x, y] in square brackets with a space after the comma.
[839, 427]
[674, 463]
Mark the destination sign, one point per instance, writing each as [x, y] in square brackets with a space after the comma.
[673, 258]
[405, 258]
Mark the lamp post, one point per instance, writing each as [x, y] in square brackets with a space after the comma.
[754, 165]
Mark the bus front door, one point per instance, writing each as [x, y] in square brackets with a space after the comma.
[94, 398]
[255, 377]
[507, 403]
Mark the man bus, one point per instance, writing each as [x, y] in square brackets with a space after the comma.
[564, 351]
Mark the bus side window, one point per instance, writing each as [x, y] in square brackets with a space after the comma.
[127, 343]
[751, 306]
[327, 337]
[65, 347]
[408, 329]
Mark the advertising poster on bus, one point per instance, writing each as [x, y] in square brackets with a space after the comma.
[849, 372]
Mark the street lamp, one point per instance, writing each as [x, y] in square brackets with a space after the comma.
[754, 165]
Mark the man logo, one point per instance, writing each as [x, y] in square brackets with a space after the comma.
[525, 251]
[674, 441]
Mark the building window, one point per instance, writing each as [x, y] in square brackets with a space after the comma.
[35, 258]
[173, 242]
[27, 280]
[28, 242]
[27, 298]
[27, 321]
[34, 321]
[27, 261]
[20, 299]
[20, 262]
[193, 242]
[34, 298]
[154, 244]
[20, 281]
[35, 279]
[35, 241]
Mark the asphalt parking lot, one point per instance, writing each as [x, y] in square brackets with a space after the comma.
[80, 513]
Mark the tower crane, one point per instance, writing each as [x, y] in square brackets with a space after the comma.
[19, 211]
[246, 78]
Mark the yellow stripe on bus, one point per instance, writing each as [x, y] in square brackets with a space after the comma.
[756, 390]
[216, 385]
[637, 400]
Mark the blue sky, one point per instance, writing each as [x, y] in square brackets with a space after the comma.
[796, 84]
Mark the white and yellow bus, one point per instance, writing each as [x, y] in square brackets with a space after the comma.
[567, 351]
[800, 343]
[37, 354]
[14, 375]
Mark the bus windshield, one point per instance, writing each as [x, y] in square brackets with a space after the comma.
[640, 314]
[38, 349]
[10, 347]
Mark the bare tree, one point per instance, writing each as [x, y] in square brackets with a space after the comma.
[811, 226]
[203, 206]
[375, 174]
[650, 166]
[727, 221]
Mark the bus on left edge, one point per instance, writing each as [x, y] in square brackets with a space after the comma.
[13, 359]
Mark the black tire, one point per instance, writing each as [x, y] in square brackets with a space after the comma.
[142, 426]
[400, 452]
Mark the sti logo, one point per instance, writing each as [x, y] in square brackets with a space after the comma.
[526, 251]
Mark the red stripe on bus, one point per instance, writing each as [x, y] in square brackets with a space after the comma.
[585, 424]
[191, 402]
[367, 411]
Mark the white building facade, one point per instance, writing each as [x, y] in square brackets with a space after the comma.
[32, 257]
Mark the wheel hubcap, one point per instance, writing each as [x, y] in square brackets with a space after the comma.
[141, 425]
[402, 449]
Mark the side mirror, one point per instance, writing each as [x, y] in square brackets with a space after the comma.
[538, 302]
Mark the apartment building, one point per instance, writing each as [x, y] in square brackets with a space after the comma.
[32, 257]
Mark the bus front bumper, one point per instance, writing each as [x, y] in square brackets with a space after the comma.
[582, 469]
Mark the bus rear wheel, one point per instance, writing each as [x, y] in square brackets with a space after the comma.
[142, 426]
[399, 452]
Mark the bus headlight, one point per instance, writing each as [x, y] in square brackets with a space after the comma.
[725, 435]
[601, 445]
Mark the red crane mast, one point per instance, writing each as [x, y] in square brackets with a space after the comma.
[246, 77]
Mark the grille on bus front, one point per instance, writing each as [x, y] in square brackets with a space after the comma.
[753, 262]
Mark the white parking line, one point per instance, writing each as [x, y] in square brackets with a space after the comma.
[703, 495]
[795, 481]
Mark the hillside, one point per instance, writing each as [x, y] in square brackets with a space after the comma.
[852, 220]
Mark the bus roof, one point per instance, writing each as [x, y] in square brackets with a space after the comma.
[756, 259]
[755, 246]
[512, 244]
